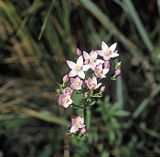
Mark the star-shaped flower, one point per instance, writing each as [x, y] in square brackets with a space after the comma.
[77, 68]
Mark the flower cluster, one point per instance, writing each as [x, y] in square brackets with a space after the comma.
[85, 77]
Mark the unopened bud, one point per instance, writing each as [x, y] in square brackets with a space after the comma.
[65, 78]
[83, 131]
[86, 94]
[78, 52]
[117, 72]
[102, 89]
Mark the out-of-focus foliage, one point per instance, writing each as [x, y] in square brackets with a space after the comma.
[36, 37]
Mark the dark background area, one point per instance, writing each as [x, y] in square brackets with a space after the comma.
[36, 38]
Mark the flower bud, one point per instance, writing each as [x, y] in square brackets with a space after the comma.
[86, 94]
[102, 89]
[78, 52]
[83, 130]
[117, 72]
[65, 78]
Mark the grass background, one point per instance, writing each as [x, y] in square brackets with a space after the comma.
[37, 36]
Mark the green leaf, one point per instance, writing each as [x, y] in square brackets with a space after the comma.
[77, 98]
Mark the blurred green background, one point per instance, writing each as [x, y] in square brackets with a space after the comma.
[37, 36]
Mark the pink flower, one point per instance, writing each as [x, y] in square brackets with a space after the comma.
[108, 52]
[91, 59]
[100, 72]
[92, 83]
[67, 91]
[65, 78]
[77, 68]
[65, 100]
[76, 83]
[77, 123]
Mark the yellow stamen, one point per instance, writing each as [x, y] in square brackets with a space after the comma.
[67, 91]
[78, 68]
[65, 100]
[78, 123]
[99, 71]
[77, 84]
[107, 52]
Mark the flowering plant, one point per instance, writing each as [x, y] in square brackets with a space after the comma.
[83, 86]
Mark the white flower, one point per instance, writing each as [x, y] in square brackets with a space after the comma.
[108, 52]
[77, 68]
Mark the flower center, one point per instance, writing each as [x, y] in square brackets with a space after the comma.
[78, 123]
[78, 68]
[99, 71]
[65, 100]
[77, 84]
[67, 91]
[107, 52]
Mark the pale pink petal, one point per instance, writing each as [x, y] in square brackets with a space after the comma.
[114, 54]
[71, 64]
[106, 58]
[104, 46]
[94, 55]
[99, 61]
[80, 61]
[93, 66]
[73, 121]
[98, 85]
[100, 52]
[113, 47]
[105, 71]
[73, 129]
[86, 67]
[81, 74]
[82, 120]
[67, 104]
[86, 55]
[72, 73]
[94, 80]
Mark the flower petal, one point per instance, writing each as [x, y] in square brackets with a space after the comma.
[93, 55]
[86, 55]
[81, 74]
[74, 129]
[71, 64]
[73, 121]
[98, 85]
[100, 52]
[104, 46]
[72, 73]
[106, 58]
[80, 61]
[113, 47]
[99, 61]
[105, 71]
[114, 54]
[82, 120]
[86, 67]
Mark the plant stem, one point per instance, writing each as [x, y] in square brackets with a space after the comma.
[85, 115]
